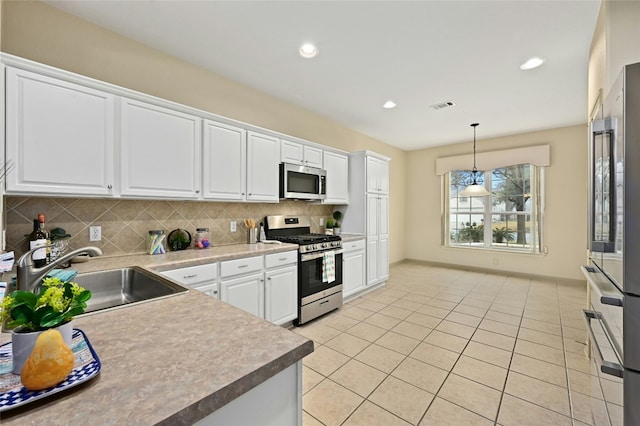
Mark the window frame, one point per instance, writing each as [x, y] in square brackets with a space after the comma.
[535, 247]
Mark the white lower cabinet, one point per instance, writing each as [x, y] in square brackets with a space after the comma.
[246, 293]
[203, 278]
[281, 295]
[266, 286]
[274, 402]
[353, 270]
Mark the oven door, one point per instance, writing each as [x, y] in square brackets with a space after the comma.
[310, 273]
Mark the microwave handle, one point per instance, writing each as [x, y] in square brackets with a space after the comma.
[323, 185]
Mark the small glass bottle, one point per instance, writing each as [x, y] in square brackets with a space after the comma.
[202, 238]
[155, 242]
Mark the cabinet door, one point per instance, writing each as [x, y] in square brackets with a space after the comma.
[383, 216]
[246, 293]
[337, 167]
[372, 260]
[281, 295]
[224, 166]
[383, 176]
[263, 159]
[383, 259]
[209, 289]
[377, 175]
[372, 215]
[160, 151]
[373, 174]
[312, 156]
[353, 278]
[292, 152]
[59, 136]
[383, 237]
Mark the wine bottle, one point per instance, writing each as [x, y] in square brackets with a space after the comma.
[38, 238]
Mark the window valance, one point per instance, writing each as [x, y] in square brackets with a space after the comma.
[539, 155]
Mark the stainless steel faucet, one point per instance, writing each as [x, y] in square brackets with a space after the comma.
[29, 276]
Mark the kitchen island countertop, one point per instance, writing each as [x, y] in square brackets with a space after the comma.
[169, 361]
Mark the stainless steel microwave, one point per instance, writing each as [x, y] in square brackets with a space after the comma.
[302, 182]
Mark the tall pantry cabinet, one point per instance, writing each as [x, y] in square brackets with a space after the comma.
[368, 210]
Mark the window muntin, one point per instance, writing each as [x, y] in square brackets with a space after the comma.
[512, 210]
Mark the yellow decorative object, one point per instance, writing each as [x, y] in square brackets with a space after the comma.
[49, 364]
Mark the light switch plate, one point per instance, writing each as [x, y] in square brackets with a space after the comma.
[234, 226]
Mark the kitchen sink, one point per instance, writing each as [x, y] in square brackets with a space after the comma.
[121, 287]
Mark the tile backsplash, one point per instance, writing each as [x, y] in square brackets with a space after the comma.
[125, 223]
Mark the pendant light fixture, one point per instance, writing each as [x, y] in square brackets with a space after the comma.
[475, 188]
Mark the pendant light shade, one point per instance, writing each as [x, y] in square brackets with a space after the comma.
[475, 189]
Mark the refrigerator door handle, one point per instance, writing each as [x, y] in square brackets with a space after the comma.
[607, 367]
[609, 295]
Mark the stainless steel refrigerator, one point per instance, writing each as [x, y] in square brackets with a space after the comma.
[613, 320]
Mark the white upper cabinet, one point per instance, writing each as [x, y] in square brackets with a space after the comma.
[224, 167]
[297, 153]
[377, 175]
[337, 168]
[59, 136]
[263, 173]
[159, 151]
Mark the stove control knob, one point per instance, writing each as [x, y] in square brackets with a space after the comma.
[315, 246]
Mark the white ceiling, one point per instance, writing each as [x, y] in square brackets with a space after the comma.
[417, 53]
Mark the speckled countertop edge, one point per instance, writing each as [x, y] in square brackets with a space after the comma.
[170, 361]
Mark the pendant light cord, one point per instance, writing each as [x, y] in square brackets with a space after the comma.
[475, 169]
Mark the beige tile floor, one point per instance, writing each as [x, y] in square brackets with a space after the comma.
[439, 346]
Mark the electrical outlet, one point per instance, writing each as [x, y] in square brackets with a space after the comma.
[322, 221]
[234, 226]
[496, 261]
[95, 233]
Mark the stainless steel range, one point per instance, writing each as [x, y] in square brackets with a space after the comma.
[319, 264]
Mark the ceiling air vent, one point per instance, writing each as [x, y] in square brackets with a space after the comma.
[445, 104]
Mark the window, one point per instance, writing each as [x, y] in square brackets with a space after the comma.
[509, 219]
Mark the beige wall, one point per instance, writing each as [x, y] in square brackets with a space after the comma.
[44, 34]
[565, 214]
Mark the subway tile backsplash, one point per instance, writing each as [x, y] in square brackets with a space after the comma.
[125, 223]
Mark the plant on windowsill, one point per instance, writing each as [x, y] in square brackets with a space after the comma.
[503, 234]
[472, 232]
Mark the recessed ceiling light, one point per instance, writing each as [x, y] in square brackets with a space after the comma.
[389, 105]
[308, 50]
[532, 63]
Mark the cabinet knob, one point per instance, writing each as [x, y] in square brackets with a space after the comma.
[109, 187]
[242, 193]
[197, 191]
[269, 278]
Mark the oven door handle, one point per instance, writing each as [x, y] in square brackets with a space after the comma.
[607, 367]
[312, 256]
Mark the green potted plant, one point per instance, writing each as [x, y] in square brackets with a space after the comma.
[329, 225]
[472, 232]
[28, 314]
[337, 216]
[503, 234]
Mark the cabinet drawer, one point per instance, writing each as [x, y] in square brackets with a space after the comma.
[194, 274]
[280, 259]
[240, 266]
[354, 245]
